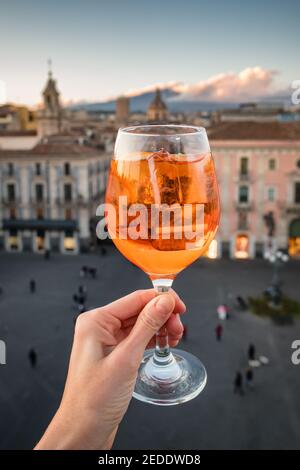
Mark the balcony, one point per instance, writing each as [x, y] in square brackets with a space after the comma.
[39, 224]
[11, 202]
[244, 206]
[78, 201]
[291, 207]
[244, 177]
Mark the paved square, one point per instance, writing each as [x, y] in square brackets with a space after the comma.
[266, 418]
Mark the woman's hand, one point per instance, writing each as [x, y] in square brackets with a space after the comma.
[108, 347]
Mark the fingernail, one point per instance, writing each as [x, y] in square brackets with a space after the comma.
[164, 304]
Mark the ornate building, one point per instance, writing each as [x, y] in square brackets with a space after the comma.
[50, 117]
[50, 185]
[49, 195]
[157, 111]
[258, 169]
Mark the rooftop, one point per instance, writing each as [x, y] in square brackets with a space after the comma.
[60, 145]
[249, 130]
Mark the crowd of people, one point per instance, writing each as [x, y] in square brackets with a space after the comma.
[244, 379]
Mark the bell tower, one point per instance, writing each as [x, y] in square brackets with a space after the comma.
[49, 118]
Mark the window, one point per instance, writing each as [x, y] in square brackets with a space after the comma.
[243, 194]
[244, 166]
[297, 192]
[40, 213]
[68, 192]
[39, 192]
[11, 169]
[242, 246]
[67, 169]
[69, 241]
[272, 164]
[38, 169]
[12, 213]
[271, 194]
[68, 214]
[40, 240]
[11, 193]
[13, 240]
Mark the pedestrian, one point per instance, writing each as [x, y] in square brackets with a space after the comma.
[32, 286]
[219, 332]
[82, 290]
[222, 313]
[241, 302]
[93, 273]
[249, 378]
[47, 254]
[103, 251]
[251, 352]
[32, 356]
[83, 271]
[238, 383]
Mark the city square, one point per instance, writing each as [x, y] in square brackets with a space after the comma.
[149, 145]
[267, 417]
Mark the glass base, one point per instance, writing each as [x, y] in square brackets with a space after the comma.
[181, 380]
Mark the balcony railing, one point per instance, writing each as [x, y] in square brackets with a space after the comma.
[74, 202]
[291, 207]
[245, 177]
[246, 206]
[11, 202]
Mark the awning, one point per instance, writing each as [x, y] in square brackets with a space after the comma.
[39, 224]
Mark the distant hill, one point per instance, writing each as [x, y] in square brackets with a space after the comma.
[141, 102]
[175, 102]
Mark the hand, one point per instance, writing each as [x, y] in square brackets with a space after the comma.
[108, 347]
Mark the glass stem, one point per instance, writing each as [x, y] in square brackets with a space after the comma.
[162, 354]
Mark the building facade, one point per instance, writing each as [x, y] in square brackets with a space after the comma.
[49, 196]
[259, 183]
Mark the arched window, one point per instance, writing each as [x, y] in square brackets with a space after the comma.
[242, 246]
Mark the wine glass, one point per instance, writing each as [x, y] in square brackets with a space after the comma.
[164, 194]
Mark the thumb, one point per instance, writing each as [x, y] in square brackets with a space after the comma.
[150, 320]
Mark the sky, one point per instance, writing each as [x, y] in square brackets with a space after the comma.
[103, 48]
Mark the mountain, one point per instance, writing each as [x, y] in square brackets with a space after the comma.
[175, 101]
[138, 103]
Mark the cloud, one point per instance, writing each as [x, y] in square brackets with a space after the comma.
[149, 88]
[249, 84]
